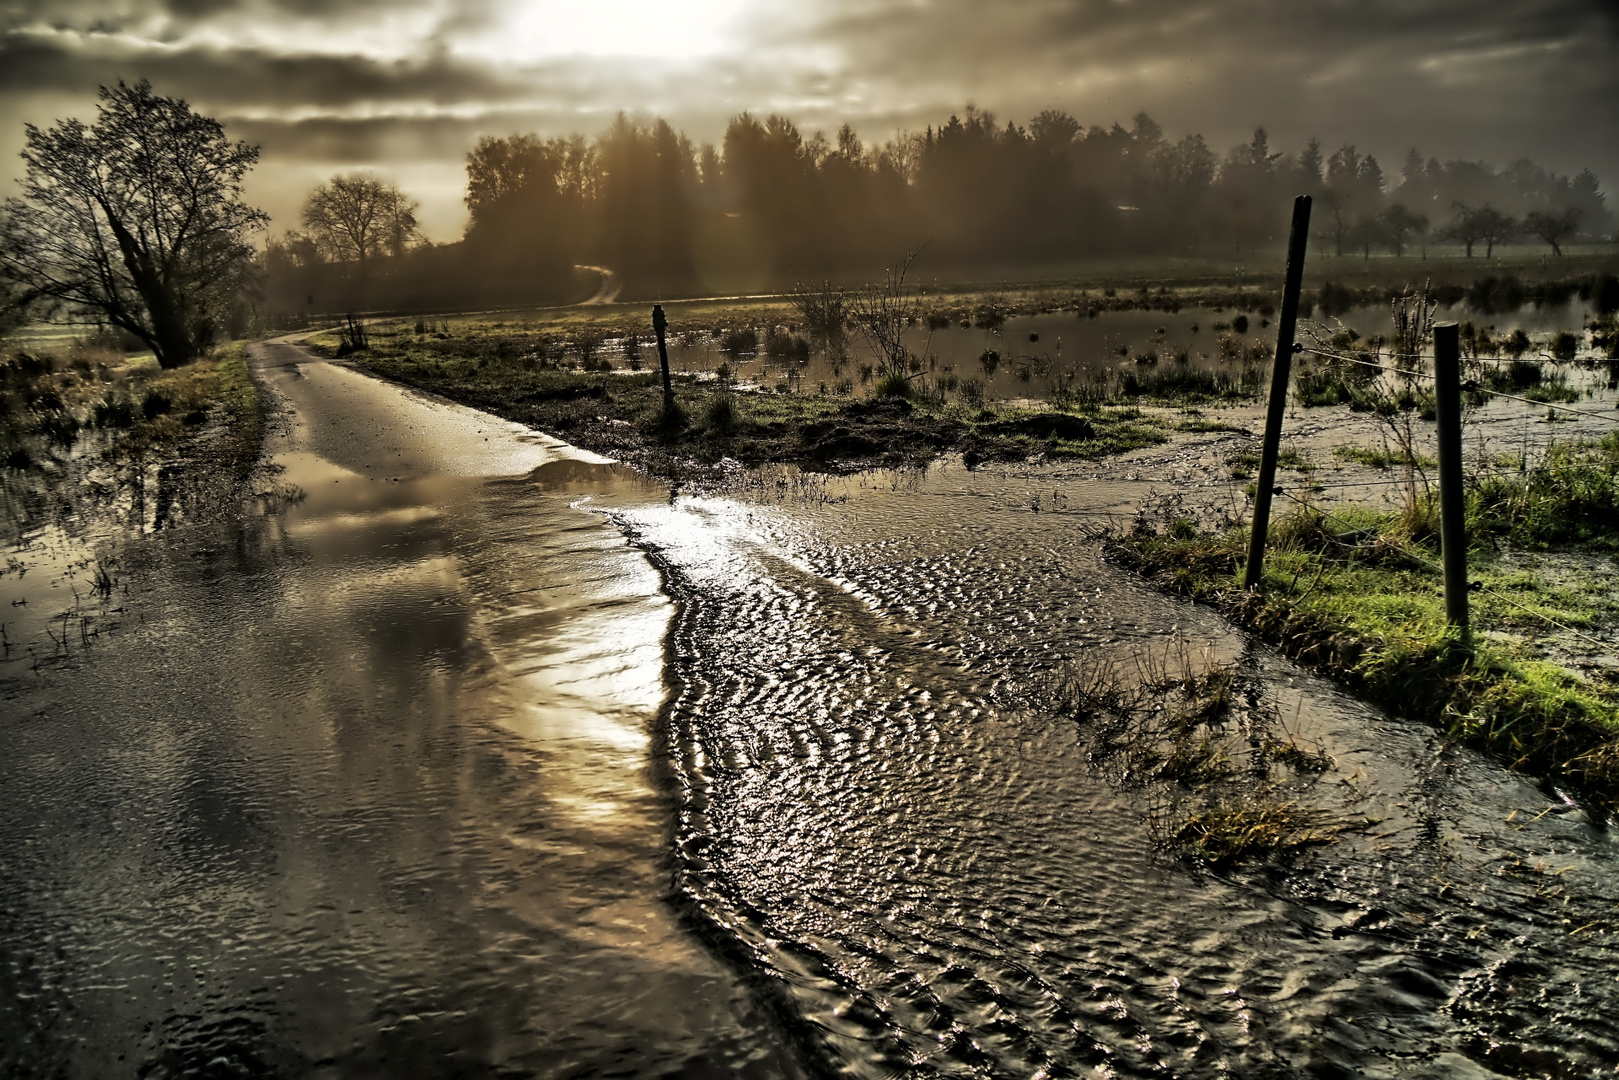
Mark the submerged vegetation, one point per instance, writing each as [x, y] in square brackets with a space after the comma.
[78, 426]
[1224, 774]
[54, 401]
[558, 381]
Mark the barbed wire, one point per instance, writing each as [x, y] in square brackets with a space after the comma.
[1471, 386]
[1603, 645]
[1353, 359]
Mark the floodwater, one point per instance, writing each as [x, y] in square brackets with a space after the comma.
[466, 754]
[1026, 354]
[885, 809]
[357, 786]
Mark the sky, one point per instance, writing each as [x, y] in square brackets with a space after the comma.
[404, 88]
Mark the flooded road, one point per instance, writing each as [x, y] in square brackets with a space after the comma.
[361, 786]
[885, 808]
[470, 755]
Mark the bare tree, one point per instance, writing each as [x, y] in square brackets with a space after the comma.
[881, 312]
[1553, 226]
[1484, 224]
[1495, 228]
[135, 220]
[358, 217]
[824, 309]
[1398, 223]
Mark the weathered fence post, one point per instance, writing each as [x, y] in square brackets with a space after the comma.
[1452, 504]
[1281, 373]
[659, 325]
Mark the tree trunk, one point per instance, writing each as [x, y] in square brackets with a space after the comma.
[169, 339]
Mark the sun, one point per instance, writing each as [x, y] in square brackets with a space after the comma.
[673, 30]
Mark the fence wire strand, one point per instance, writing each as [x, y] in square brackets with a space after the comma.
[1350, 358]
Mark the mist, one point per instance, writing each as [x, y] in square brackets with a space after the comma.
[769, 206]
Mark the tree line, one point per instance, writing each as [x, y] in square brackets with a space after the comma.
[137, 220]
[769, 205]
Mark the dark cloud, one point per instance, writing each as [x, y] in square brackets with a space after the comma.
[253, 77]
[1472, 77]
[1492, 79]
[97, 15]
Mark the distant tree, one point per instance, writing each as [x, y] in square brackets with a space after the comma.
[1416, 187]
[709, 169]
[1248, 189]
[1484, 224]
[1552, 226]
[1463, 228]
[1053, 129]
[135, 220]
[357, 217]
[1352, 190]
[292, 250]
[1585, 195]
[1494, 228]
[1398, 223]
[1308, 169]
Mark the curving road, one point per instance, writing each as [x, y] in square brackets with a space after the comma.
[361, 786]
[607, 292]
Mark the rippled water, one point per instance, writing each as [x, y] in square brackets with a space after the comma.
[358, 787]
[471, 755]
[884, 811]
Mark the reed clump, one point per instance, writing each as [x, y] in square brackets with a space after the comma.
[1223, 773]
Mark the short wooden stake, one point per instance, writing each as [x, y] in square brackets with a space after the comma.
[659, 325]
[1452, 502]
[1280, 375]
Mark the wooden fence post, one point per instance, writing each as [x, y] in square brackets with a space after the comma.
[1280, 375]
[659, 325]
[1452, 502]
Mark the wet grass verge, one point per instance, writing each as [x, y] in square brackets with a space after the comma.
[52, 402]
[716, 425]
[1358, 596]
[84, 429]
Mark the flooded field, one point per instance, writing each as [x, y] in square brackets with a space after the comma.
[887, 811]
[1028, 355]
[463, 753]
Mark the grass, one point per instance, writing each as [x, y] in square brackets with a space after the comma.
[1570, 497]
[1245, 463]
[1199, 425]
[1225, 776]
[1242, 828]
[1192, 385]
[540, 378]
[1359, 596]
[125, 406]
